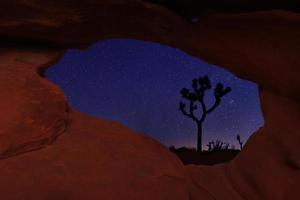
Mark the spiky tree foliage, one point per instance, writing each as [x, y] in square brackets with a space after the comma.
[196, 97]
[217, 145]
[238, 137]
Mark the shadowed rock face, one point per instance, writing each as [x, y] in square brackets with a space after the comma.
[191, 8]
[81, 157]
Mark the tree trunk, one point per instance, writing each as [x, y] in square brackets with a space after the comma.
[199, 137]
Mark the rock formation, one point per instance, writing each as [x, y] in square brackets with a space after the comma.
[50, 151]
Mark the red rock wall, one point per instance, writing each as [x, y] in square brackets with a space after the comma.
[81, 157]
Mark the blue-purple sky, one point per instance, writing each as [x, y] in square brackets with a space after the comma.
[138, 84]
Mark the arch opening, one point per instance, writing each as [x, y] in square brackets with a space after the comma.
[138, 84]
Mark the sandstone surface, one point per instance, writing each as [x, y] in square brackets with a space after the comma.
[49, 151]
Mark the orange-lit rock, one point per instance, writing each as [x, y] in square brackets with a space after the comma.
[95, 159]
[33, 110]
[80, 157]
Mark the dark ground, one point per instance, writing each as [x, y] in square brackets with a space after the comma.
[191, 156]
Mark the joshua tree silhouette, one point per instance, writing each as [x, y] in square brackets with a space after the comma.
[200, 86]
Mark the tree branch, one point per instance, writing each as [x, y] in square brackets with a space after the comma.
[192, 108]
[217, 102]
[204, 112]
[184, 112]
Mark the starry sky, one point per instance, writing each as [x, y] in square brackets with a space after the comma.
[138, 84]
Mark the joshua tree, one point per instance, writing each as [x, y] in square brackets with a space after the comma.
[238, 137]
[200, 86]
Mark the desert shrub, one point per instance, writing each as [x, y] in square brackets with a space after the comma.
[217, 145]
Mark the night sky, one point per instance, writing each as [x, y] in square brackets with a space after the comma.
[138, 84]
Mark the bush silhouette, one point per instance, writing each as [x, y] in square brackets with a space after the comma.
[200, 86]
[217, 145]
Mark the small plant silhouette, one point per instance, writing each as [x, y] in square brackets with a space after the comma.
[238, 137]
[217, 145]
[200, 86]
